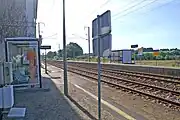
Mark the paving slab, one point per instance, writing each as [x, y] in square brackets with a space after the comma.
[48, 104]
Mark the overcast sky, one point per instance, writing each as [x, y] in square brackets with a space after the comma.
[149, 23]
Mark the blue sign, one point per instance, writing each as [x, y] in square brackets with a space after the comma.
[45, 47]
[155, 50]
[105, 43]
[105, 21]
[134, 46]
[94, 28]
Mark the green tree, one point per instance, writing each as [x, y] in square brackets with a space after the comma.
[163, 54]
[74, 50]
[175, 52]
[167, 57]
[148, 56]
[51, 54]
[60, 53]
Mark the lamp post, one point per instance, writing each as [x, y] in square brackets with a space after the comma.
[88, 41]
[39, 31]
[64, 52]
[39, 28]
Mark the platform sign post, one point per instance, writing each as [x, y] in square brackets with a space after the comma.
[156, 53]
[64, 51]
[140, 53]
[45, 62]
[103, 27]
[134, 46]
[99, 70]
[45, 47]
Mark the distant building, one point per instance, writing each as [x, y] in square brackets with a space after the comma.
[116, 55]
[105, 44]
[124, 56]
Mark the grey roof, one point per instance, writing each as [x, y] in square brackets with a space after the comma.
[21, 38]
[121, 50]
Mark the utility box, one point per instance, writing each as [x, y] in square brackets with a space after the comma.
[8, 74]
[127, 56]
[6, 96]
[1, 74]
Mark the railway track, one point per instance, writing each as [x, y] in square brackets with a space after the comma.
[163, 94]
[173, 84]
[135, 73]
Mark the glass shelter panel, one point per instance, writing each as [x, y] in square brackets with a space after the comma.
[24, 58]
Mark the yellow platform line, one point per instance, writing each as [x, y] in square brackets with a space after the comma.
[125, 115]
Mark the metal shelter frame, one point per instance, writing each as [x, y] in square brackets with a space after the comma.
[23, 39]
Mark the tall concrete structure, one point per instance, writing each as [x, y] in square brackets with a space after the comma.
[17, 19]
[19, 14]
[31, 15]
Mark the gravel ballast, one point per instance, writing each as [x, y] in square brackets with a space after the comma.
[147, 108]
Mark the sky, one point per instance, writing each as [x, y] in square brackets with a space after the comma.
[148, 23]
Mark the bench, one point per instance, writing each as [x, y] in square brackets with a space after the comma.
[16, 113]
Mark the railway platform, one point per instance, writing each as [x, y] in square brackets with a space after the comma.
[47, 104]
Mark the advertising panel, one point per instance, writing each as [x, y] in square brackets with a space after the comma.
[140, 51]
[94, 28]
[105, 43]
[105, 24]
[156, 53]
[127, 56]
[24, 55]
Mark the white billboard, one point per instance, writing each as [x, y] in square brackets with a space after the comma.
[140, 51]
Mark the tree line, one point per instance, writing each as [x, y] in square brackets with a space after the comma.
[164, 54]
[73, 50]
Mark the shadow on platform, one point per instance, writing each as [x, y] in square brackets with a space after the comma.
[48, 105]
[70, 98]
[53, 77]
[81, 108]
